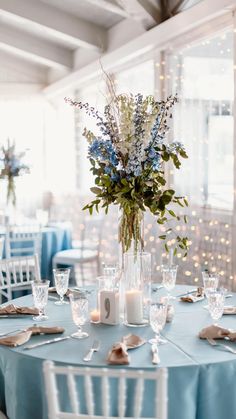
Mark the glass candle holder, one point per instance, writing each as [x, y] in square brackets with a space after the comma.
[137, 288]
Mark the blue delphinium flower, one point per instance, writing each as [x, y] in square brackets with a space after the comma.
[103, 151]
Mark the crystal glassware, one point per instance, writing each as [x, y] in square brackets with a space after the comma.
[216, 300]
[79, 309]
[169, 273]
[210, 282]
[40, 296]
[158, 313]
[61, 278]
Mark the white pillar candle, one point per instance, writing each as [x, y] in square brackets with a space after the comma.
[134, 306]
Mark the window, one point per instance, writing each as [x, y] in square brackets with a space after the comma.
[202, 74]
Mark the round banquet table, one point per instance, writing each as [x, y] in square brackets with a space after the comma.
[202, 378]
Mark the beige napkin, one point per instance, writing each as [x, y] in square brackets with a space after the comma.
[229, 310]
[133, 341]
[118, 354]
[25, 335]
[12, 309]
[216, 332]
[42, 330]
[194, 297]
[16, 340]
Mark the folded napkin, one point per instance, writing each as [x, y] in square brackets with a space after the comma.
[12, 309]
[16, 340]
[23, 337]
[217, 332]
[118, 354]
[229, 310]
[194, 297]
[42, 330]
[133, 341]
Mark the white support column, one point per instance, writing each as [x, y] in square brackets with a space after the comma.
[233, 229]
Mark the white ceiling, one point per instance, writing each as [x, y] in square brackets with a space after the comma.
[60, 36]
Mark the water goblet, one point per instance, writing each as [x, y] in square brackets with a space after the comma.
[40, 296]
[158, 313]
[61, 278]
[169, 273]
[216, 300]
[79, 309]
[210, 282]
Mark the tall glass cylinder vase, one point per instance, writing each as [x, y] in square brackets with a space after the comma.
[131, 241]
[137, 288]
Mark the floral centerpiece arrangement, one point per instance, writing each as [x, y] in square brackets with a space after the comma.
[128, 161]
[11, 167]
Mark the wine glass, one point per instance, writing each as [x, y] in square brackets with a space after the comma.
[169, 273]
[216, 300]
[61, 278]
[79, 309]
[40, 296]
[210, 282]
[158, 313]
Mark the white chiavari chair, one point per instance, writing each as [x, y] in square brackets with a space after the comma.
[85, 252]
[17, 273]
[52, 372]
[2, 240]
[23, 240]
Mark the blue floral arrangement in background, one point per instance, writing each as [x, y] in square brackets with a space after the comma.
[11, 167]
[128, 161]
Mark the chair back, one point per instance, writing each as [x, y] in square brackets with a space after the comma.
[106, 377]
[18, 272]
[25, 240]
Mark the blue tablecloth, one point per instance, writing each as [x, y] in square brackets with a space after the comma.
[54, 239]
[202, 382]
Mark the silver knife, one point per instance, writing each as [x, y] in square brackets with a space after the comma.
[46, 342]
[14, 316]
[186, 293]
[95, 347]
[155, 355]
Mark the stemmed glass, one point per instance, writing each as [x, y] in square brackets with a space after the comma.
[210, 282]
[61, 278]
[216, 300]
[158, 313]
[79, 309]
[40, 296]
[169, 273]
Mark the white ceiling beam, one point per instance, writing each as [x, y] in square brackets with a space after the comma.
[55, 22]
[35, 49]
[156, 38]
[141, 10]
[109, 7]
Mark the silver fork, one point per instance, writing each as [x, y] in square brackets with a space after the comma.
[228, 348]
[95, 347]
